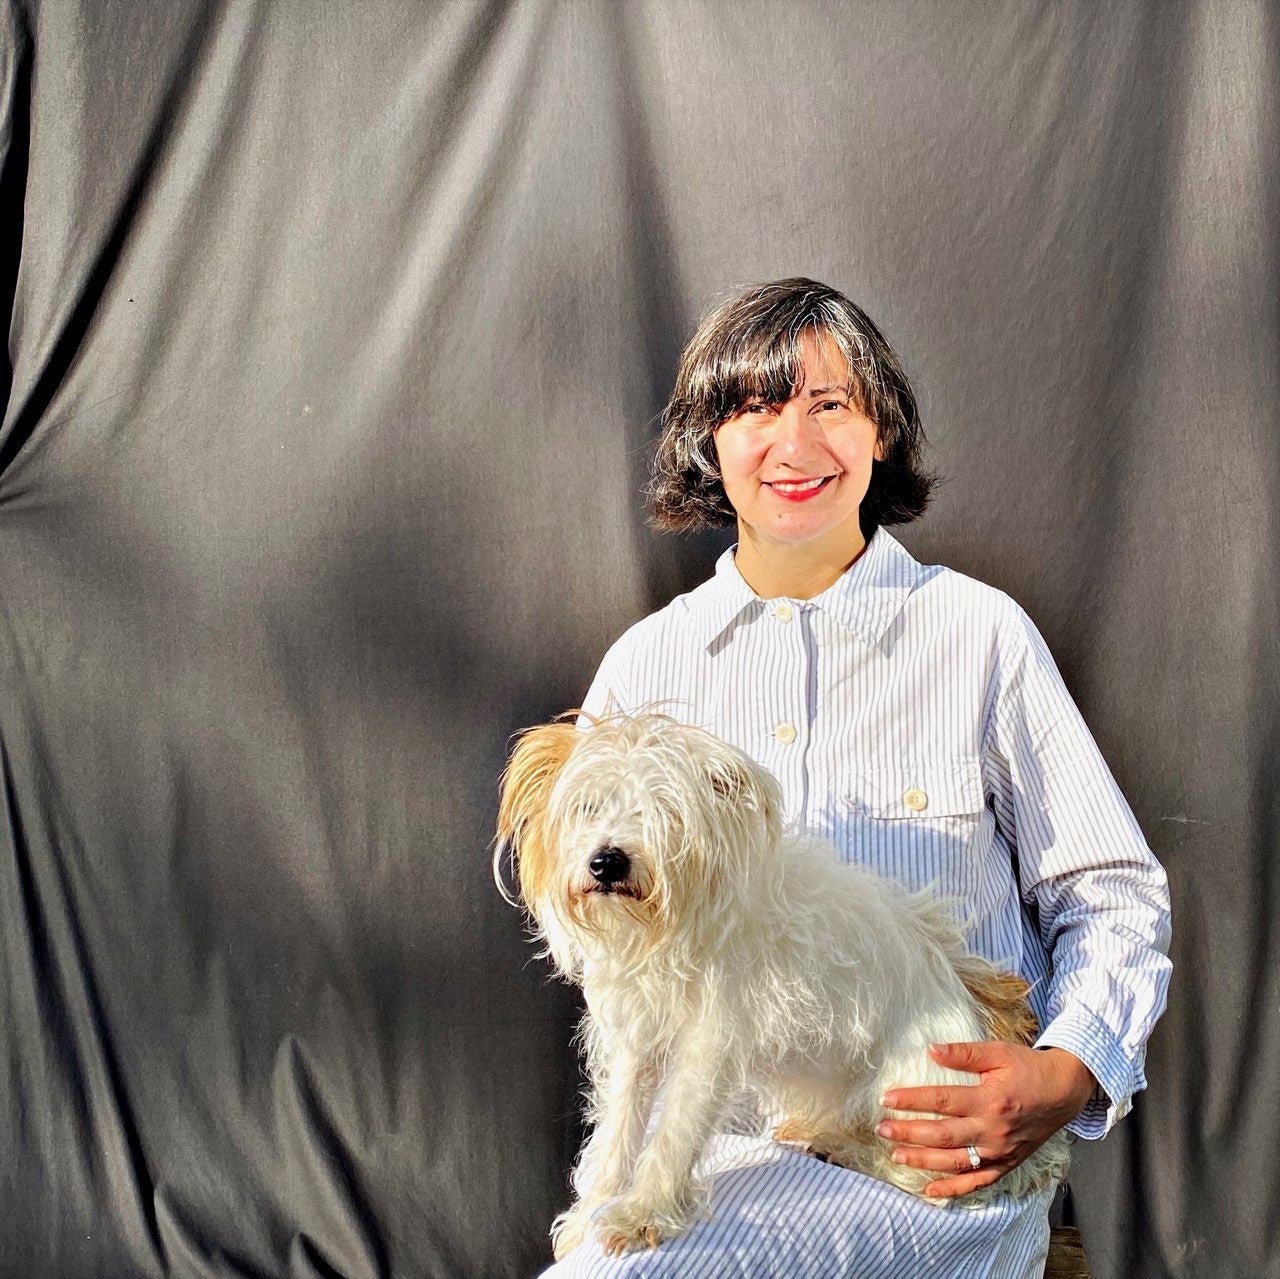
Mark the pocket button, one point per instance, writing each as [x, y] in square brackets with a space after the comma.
[915, 799]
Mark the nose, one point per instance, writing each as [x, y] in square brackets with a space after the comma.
[796, 432]
[609, 865]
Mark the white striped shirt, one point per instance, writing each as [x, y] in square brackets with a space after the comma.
[915, 717]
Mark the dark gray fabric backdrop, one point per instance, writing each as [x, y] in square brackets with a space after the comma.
[336, 335]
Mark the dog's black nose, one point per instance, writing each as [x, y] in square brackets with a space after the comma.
[609, 866]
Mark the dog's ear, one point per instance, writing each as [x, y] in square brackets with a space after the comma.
[526, 786]
[741, 782]
[727, 780]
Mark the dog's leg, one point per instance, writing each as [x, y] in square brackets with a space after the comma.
[664, 1196]
[622, 1101]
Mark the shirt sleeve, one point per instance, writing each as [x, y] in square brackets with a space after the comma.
[608, 693]
[1099, 895]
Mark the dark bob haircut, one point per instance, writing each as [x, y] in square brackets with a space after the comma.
[749, 348]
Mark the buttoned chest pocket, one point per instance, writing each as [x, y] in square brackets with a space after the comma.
[918, 822]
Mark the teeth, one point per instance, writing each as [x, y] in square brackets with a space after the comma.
[792, 487]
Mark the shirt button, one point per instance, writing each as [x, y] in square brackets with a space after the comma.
[784, 612]
[785, 733]
[915, 799]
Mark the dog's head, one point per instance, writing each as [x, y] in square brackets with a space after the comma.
[635, 834]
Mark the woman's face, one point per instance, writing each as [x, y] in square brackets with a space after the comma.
[796, 472]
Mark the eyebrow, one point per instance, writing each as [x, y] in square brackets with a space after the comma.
[813, 394]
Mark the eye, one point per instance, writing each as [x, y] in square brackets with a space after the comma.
[832, 404]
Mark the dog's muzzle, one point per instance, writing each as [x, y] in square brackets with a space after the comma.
[609, 866]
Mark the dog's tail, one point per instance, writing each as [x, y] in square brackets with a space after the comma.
[1001, 1000]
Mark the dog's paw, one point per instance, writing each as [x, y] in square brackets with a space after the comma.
[624, 1226]
[615, 1242]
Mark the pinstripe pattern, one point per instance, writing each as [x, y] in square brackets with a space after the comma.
[915, 717]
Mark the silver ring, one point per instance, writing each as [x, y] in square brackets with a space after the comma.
[975, 1159]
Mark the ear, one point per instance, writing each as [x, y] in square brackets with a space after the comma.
[526, 788]
[743, 782]
[727, 780]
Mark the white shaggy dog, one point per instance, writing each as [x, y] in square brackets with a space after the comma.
[720, 958]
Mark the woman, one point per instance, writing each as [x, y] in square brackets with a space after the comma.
[914, 717]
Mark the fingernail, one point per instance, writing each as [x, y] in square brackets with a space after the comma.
[883, 1129]
[890, 1100]
[898, 1157]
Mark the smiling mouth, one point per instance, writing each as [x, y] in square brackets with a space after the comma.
[799, 490]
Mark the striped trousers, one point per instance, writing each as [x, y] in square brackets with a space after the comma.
[779, 1214]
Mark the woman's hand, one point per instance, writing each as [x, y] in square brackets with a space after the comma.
[1025, 1096]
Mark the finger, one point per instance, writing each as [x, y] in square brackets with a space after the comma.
[955, 1100]
[946, 1134]
[948, 1161]
[951, 1187]
[974, 1057]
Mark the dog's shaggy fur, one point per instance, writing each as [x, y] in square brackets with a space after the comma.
[721, 957]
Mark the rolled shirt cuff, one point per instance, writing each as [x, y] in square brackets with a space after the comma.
[1086, 1036]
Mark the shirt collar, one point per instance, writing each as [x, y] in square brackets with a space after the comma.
[864, 599]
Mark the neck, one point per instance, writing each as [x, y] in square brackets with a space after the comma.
[799, 572]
